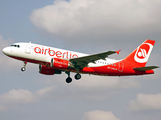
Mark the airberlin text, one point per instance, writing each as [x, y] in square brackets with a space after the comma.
[58, 54]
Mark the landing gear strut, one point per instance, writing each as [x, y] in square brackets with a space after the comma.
[24, 68]
[69, 79]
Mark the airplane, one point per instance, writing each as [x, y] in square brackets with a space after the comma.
[55, 61]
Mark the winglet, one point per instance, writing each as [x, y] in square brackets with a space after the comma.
[118, 51]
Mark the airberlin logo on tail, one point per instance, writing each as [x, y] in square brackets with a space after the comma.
[143, 52]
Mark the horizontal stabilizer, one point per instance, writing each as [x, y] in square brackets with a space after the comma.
[145, 68]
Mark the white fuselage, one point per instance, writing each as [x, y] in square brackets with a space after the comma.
[41, 53]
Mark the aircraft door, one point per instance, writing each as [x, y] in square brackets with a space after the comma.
[121, 66]
[28, 48]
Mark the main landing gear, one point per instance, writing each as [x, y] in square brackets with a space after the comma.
[69, 79]
[24, 68]
[77, 76]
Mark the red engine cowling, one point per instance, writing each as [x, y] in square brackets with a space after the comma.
[59, 63]
[43, 69]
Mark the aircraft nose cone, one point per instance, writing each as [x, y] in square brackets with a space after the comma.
[5, 51]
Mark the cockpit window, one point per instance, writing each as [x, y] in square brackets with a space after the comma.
[15, 46]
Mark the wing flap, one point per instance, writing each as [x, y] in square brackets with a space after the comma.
[145, 68]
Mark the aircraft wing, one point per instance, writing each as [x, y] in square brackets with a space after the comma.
[82, 62]
[146, 68]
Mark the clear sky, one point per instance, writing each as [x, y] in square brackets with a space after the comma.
[87, 26]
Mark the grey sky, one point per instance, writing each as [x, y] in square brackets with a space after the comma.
[88, 26]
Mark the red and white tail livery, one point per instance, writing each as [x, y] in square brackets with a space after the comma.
[140, 55]
[55, 61]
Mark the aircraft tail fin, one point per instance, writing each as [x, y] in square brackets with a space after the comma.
[140, 55]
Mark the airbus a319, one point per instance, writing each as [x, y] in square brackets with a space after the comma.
[55, 61]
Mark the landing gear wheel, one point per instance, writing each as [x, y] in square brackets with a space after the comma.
[23, 69]
[77, 76]
[69, 80]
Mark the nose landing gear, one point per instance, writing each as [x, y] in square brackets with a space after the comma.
[24, 68]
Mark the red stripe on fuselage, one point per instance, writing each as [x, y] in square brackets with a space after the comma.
[107, 70]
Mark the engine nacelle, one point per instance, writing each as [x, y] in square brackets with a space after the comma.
[59, 63]
[43, 69]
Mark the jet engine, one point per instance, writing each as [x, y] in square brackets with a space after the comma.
[59, 63]
[43, 69]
